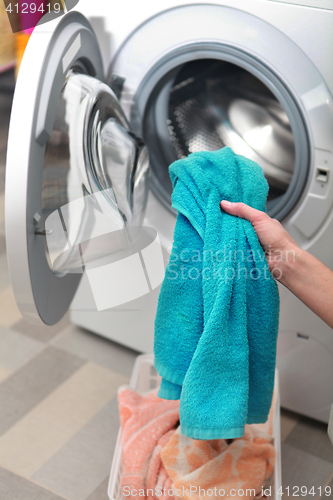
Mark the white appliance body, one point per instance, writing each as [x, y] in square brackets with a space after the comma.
[305, 344]
[289, 47]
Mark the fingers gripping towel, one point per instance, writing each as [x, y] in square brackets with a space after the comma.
[218, 310]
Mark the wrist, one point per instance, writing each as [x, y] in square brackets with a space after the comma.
[291, 262]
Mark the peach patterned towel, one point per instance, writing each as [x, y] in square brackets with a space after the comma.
[242, 465]
[147, 423]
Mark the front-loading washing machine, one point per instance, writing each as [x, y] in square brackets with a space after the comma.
[256, 76]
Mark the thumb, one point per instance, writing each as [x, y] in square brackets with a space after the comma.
[243, 211]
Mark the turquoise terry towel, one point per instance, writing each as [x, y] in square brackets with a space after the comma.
[217, 317]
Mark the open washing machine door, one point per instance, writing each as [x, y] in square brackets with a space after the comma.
[77, 177]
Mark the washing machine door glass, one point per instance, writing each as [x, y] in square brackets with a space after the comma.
[77, 177]
[214, 104]
[207, 104]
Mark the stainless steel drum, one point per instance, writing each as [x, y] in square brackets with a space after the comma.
[206, 104]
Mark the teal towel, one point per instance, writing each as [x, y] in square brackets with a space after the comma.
[217, 317]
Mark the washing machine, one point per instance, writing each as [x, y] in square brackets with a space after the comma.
[102, 88]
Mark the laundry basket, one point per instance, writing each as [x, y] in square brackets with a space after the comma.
[144, 378]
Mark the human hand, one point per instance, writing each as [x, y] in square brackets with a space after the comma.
[305, 276]
[278, 245]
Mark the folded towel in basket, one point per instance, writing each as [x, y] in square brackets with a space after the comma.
[217, 317]
[242, 466]
[147, 423]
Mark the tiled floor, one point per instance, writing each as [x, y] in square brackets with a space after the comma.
[58, 407]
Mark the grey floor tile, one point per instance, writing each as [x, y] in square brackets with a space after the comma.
[3, 154]
[2, 208]
[98, 350]
[3, 135]
[4, 273]
[4, 117]
[311, 436]
[2, 244]
[2, 169]
[42, 333]
[303, 469]
[101, 493]
[78, 469]
[288, 421]
[13, 487]
[33, 382]
[3, 131]
[15, 348]
[7, 85]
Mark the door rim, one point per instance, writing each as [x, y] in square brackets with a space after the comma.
[42, 296]
[175, 59]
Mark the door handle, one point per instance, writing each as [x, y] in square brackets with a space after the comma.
[43, 231]
[38, 230]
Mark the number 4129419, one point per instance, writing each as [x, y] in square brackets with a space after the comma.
[31, 8]
[303, 491]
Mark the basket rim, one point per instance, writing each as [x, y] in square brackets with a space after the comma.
[116, 461]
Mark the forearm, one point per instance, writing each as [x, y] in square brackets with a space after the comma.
[311, 281]
[305, 276]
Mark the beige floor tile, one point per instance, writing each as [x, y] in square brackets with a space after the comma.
[82, 464]
[41, 433]
[13, 487]
[101, 493]
[4, 373]
[16, 348]
[9, 312]
[288, 422]
[42, 333]
[28, 386]
[96, 349]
